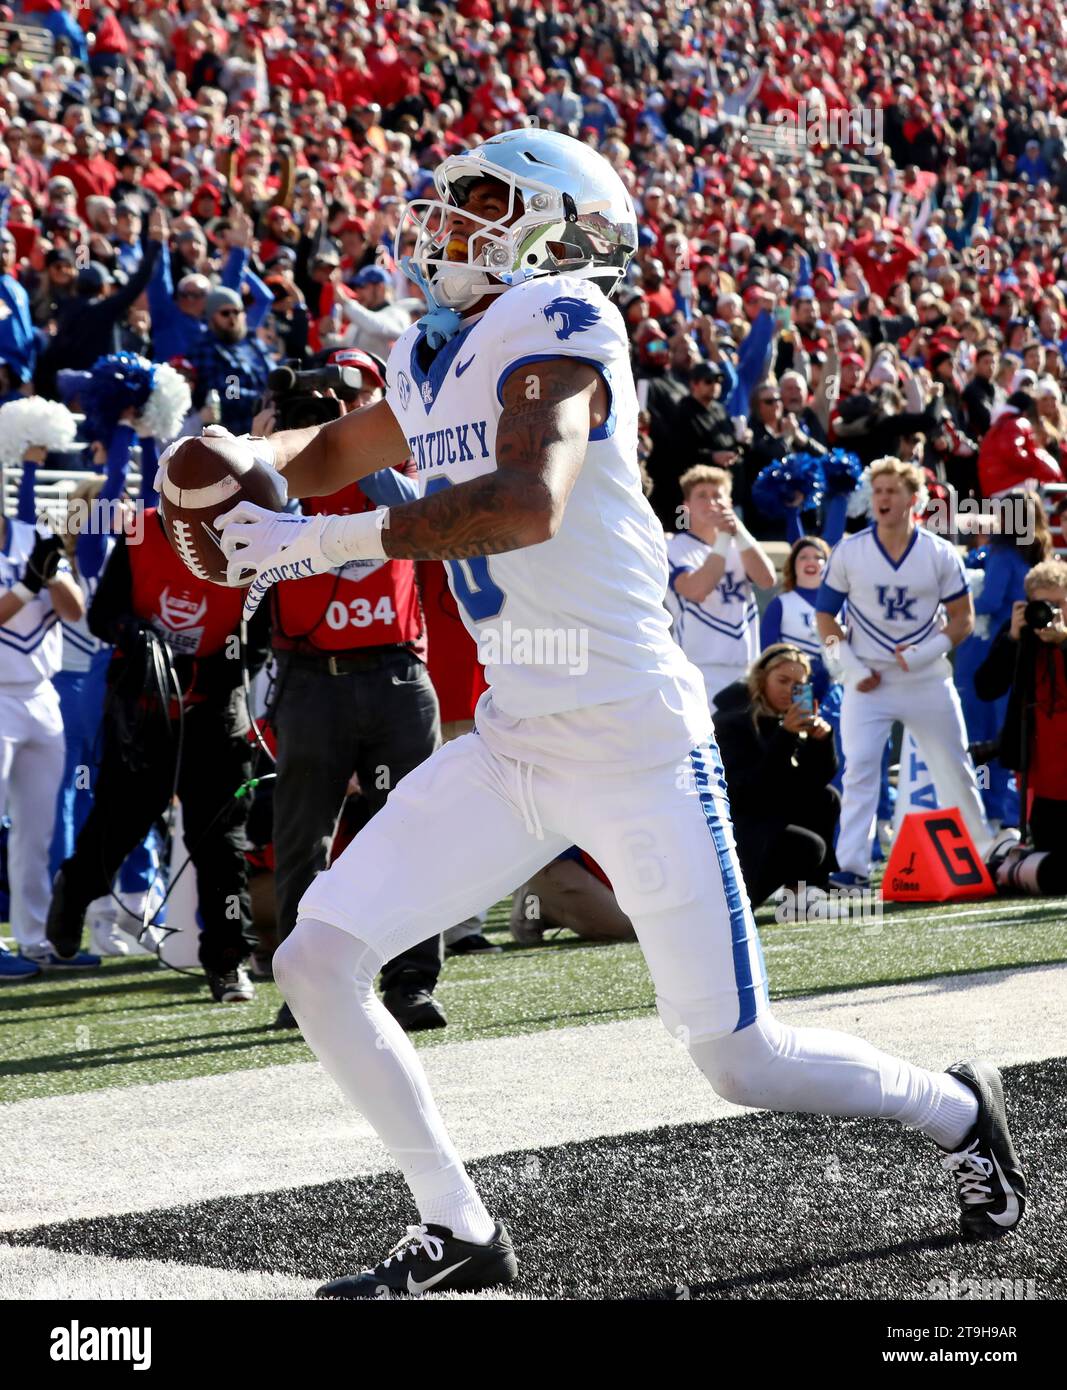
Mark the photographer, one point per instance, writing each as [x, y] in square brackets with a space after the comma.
[779, 759]
[175, 723]
[1028, 662]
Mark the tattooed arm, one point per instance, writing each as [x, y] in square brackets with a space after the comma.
[322, 459]
[549, 409]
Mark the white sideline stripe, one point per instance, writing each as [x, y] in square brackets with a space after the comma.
[137, 1147]
[33, 1272]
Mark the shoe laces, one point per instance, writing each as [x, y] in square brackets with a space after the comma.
[416, 1239]
[972, 1173]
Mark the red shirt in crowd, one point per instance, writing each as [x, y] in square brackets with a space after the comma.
[94, 177]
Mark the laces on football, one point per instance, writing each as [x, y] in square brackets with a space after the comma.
[416, 1239]
[972, 1173]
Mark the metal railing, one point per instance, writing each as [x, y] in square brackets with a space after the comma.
[38, 44]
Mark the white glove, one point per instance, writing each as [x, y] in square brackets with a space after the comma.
[926, 652]
[265, 547]
[161, 462]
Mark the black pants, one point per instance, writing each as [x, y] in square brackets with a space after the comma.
[1048, 829]
[773, 854]
[216, 759]
[1048, 824]
[379, 723]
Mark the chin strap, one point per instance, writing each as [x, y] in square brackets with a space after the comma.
[441, 323]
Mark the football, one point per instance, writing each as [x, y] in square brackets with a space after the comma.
[205, 478]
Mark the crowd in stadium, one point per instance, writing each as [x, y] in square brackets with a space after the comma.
[218, 187]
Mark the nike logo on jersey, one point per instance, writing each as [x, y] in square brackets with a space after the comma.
[454, 444]
[461, 367]
[414, 1287]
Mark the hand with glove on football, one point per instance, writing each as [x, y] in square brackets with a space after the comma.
[263, 547]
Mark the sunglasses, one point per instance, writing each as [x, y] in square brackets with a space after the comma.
[228, 313]
[769, 400]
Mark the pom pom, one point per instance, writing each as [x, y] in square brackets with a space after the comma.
[168, 405]
[859, 502]
[115, 384]
[842, 471]
[780, 483]
[35, 423]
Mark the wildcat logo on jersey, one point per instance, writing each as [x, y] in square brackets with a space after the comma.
[898, 607]
[571, 315]
[731, 589]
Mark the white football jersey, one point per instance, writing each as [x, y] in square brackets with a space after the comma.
[722, 630]
[30, 641]
[891, 603]
[578, 620]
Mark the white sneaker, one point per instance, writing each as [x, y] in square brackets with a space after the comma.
[106, 939]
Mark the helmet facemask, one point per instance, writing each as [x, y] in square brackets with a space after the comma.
[539, 234]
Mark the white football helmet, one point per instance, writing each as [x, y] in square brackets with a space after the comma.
[576, 218]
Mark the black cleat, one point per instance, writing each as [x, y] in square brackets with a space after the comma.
[431, 1259]
[990, 1182]
[231, 986]
[66, 923]
[473, 946]
[414, 1009]
[285, 1018]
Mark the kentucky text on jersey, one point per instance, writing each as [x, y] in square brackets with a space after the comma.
[453, 444]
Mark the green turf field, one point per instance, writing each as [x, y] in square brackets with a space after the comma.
[135, 1022]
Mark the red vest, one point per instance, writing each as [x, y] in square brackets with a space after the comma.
[196, 615]
[370, 603]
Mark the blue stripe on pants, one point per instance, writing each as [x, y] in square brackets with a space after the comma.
[708, 774]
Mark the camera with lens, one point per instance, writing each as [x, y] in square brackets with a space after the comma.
[1038, 614]
[300, 398]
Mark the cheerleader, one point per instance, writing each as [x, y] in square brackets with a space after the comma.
[36, 594]
[128, 401]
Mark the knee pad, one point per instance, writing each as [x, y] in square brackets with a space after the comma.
[317, 957]
[735, 1064]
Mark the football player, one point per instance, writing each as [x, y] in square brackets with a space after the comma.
[515, 398]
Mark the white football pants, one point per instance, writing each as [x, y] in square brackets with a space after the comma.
[32, 754]
[926, 702]
[468, 825]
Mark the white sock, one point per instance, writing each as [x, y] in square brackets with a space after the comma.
[327, 977]
[820, 1072]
